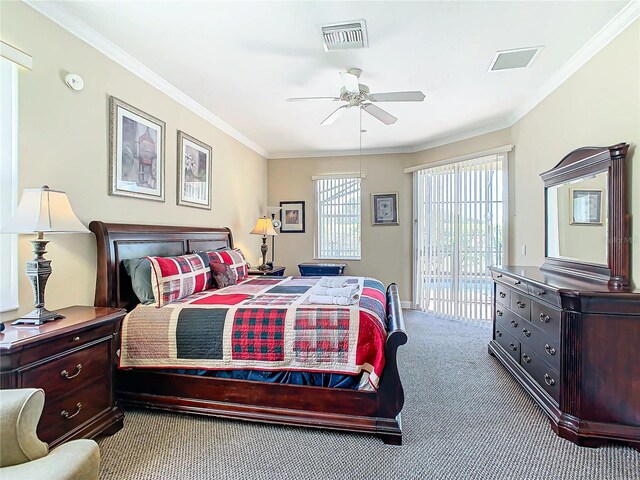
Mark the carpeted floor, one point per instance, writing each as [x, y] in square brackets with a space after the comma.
[464, 418]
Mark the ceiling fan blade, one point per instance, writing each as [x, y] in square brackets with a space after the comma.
[335, 115]
[300, 99]
[416, 96]
[379, 113]
[350, 82]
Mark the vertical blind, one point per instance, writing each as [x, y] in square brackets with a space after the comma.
[459, 230]
[338, 218]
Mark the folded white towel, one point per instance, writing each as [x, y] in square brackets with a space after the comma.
[329, 300]
[347, 291]
[332, 282]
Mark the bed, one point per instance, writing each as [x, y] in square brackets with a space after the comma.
[366, 411]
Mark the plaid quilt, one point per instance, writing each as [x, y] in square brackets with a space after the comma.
[261, 324]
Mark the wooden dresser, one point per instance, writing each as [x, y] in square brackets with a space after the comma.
[574, 347]
[72, 360]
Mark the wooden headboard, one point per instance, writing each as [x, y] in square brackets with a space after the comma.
[117, 242]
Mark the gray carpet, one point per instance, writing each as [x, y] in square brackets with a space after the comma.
[464, 418]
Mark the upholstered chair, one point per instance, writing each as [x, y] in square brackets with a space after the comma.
[24, 456]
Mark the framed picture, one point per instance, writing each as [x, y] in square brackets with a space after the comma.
[384, 209]
[194, 172]
[136, 160]
[292, 217]
[586, 207]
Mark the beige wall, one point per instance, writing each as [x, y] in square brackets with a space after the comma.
[63, 142]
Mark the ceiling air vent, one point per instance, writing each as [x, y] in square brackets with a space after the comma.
[517, 58]
[345, 35]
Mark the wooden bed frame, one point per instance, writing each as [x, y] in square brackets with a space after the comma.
[376, 412]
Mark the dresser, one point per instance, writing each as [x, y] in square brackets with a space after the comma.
[574, 347]
[73, 361]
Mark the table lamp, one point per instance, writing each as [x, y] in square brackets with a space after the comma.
[265, 228]
[42, 210]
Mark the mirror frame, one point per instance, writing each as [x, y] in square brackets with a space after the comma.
[581, 163]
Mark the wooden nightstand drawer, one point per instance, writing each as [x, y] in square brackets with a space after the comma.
[63, 375]
[61, 416]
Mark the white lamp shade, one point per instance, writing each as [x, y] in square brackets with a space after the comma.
[44, 210]
[263, 227]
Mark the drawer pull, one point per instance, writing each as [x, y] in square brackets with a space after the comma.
[544, 318]
[499, 276]
[513, 347]
[499, 313]
[521, 304]
[548, 380]
[75, 339]
[540, 293]
[518, 282]
[526, 358]
[550, 350]
[498, 333]
[514, 324]
[526, 332]
[502, 294]
[66, 375]
[67, 415]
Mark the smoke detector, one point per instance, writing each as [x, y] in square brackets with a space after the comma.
[516, 58]
[344, 35]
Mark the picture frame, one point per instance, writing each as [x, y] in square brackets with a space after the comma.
[292, 217]
[137, 152]
[384, 209]
[194, 172]
[586, 207]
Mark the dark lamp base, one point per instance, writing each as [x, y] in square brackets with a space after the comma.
[264, 266]
[38, 316]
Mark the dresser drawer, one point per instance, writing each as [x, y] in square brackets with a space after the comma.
[548, 296]
[540, 343]
[67, 342]
[509, 322]
[503, 295]
[507, 341]
[546, 377]
[63, 375]
[62, 415]
[510, 281]
[521, 305]
[546, 317]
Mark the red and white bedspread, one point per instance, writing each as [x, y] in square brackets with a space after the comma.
[263, 323]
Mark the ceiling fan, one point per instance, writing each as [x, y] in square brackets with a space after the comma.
[357, 95]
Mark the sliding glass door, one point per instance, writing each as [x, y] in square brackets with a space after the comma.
[459, 231]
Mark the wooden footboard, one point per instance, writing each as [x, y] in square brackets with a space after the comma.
[376, 412]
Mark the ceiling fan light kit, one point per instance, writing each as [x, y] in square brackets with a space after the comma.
[356, 94]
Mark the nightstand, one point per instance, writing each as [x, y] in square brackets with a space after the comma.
[72, 360]
[275, 270]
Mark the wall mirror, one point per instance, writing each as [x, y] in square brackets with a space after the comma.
[586, 216]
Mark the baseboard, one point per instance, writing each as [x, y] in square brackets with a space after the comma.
[405, 305]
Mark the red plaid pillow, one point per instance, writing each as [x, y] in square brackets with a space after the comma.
[233, 258]
[173, 278]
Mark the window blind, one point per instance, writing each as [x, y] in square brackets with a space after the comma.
[338, 218]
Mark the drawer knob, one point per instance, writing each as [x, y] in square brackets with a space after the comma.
[513, 347]
[499, 276]
[548, 380]
[75, 339]
[544, 318]
[498, 333]
[518, 282]
[549, 349]
[499, 313]
[503, 294]
[526, 358]
[514, 324]
[68, 415]
[66, 375]
[521, 304]
[541, 292]
[526, 332]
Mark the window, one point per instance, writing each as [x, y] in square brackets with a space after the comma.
[338, 202]
[8, 183]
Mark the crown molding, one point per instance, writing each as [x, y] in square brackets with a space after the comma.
[340, 153]
[611, 30]
[88, 35]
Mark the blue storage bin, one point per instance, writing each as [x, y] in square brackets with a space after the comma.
[322, 269]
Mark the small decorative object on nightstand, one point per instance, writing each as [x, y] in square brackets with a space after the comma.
[274, 271]
[42, 210]
[265, 228]
[73, 361]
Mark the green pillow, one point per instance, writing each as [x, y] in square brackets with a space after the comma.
[139, 269]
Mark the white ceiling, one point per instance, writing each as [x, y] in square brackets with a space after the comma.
[242, 60]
